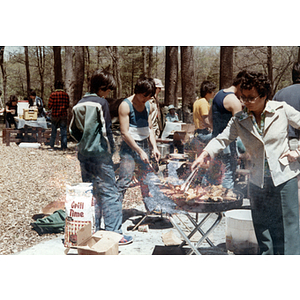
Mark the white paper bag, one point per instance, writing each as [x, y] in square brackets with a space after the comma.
[80, 210]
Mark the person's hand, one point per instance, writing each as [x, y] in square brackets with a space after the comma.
[156, 154]
[292, 156]
[200, 161]
[144, 157]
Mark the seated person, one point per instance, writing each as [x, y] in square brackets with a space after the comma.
[172, 116]
[11, 111]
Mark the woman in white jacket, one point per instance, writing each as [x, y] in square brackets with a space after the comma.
[263, 129]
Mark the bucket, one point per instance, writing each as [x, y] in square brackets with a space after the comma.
[240, 235]
[21, 106]
[164, 150]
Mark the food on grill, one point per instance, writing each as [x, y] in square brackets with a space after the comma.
[212, 193]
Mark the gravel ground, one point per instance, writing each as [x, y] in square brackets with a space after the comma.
[29, 180]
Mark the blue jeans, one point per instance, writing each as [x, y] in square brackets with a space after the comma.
[100, 171]
[129, 161]
[275, 215]
[203, 135]
[61, 123]
[229, 159]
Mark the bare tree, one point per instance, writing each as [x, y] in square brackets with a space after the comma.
[98, 56]
[87, 64]
[40, 55]
[114, 53]
[226, 66]
[144, 50]
[270, 65]
[78, 73]
[3, 70]
[27, 70]
[57, 64]
[187, 82]
[150, 67]
[259, 58]
[171, 75]
[69, 82]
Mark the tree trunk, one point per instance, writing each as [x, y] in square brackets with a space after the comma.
[270, 67]
[299, 54]
[4, 75]
[171, 75]
[27, 70]
[88, 63]
[78, 73]
[69, 80]
[98, 56]
[226, 66]
[132, 76]
[40, 55]
[57, 64]
[187, 82]
[144, 50]
[114, 53]
[150, 68]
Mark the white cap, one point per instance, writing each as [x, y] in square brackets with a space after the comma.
[171, 107]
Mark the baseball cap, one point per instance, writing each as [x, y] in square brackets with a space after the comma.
[171, 107]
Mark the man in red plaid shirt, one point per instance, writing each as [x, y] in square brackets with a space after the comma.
[59, 104]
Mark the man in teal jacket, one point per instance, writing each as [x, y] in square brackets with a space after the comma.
[91, 127]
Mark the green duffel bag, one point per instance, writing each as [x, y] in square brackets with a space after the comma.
[54, 223]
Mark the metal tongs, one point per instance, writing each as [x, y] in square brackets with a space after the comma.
[185, 186]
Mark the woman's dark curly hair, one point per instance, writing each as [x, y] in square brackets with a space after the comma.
[258, 81]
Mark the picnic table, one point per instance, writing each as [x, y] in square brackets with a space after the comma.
[27, 131]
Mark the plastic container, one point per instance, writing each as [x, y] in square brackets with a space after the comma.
[164, 150]
[21, 106]
[240, 235]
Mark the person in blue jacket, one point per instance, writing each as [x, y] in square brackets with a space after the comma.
[91, 127]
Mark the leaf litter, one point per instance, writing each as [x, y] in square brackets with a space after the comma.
[30, 180]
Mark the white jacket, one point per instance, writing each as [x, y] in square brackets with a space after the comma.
[271, 145]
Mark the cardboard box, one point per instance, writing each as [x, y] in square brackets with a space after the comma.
[30, 114]
[179, 135]
[100, 243]
[186, 132]
[189, 128]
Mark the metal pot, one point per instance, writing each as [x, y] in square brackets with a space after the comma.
[164, 150]
[178, 156]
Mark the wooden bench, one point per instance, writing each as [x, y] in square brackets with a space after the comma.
[27, 134]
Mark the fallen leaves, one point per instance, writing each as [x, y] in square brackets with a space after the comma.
[29, 181]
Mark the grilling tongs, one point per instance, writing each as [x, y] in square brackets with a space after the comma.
[184, 187]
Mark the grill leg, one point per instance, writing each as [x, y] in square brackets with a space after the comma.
[216, 223]
[138, 224]
[193, 248]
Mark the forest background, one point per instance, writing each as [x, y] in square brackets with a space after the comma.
[162, 23]
[181, 69]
